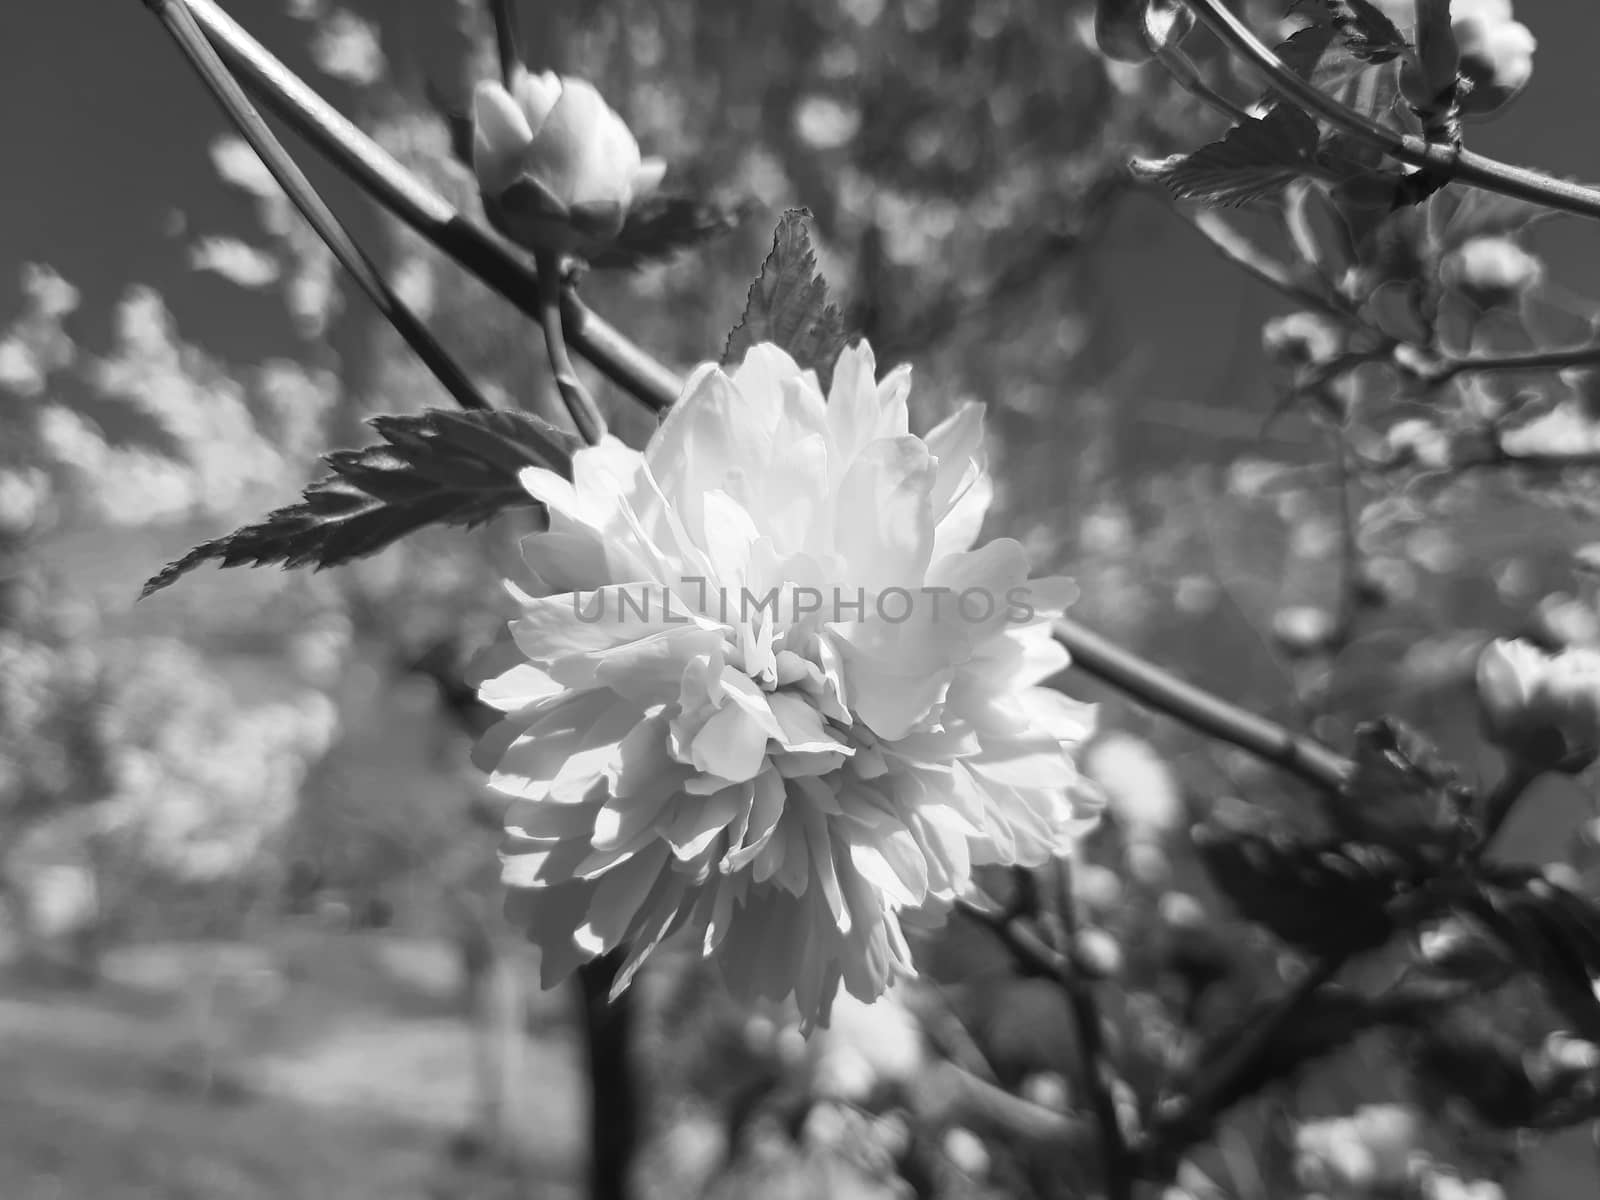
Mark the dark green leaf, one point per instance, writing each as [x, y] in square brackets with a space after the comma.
[1403, 793]
[1313, 54]
[658, 226]
[1255, 159]
[1364, 29]
[1323, 897]
[1465, 1057]
[788, 304]
[437, 468]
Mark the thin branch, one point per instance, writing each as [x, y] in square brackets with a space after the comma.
[1182, 1119]
[1303, 757]
[180, 23]
[947, 1093]
[1461, 165]
[408, 198]
[1187, 76]
[1026, 946]
[1091, 1043]
[1244, 253]
[1351, 578]
[1534, 360]
[580, 405]
[507, 41]
[1492, 455]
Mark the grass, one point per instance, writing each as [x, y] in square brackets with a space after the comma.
[335, 1091]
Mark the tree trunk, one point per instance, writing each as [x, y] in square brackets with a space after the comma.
[614, 1101]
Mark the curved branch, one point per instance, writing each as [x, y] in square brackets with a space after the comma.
[1303, 757]
[189, 38]
[1463, 166]
[409, 199]
[1529, 360]
[580, 405]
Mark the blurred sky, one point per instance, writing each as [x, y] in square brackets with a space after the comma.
[105, 136]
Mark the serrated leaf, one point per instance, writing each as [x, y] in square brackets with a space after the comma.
[1314, 54]
[659, 226]
[1555, 933]
[788, 304]
[1364, 29]
[1256, 158]
[1323, 897]
[436, 468]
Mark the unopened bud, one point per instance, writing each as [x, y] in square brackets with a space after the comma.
[1542, 710]
[1135, 31]
[1492, 271]
[1496, 54]
[557, 167]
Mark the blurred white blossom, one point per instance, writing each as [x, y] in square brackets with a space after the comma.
[235, 260]
[1141, 791]
[347, 47]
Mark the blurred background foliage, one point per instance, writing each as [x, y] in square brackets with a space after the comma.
[250, 913]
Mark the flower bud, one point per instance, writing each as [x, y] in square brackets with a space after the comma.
[1496, 54]
[558, 169]
[1301, 338]
[1134, 31]
[1492, 271]
[1542, 710]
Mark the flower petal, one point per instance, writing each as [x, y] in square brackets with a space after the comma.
[884, 524]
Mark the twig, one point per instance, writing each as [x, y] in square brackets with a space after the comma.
[1350, 571]
[1182, 1119]
[507, 41]
[947, 1093]
[1091, 1043]
[1534, 360]
[1306, 758]
[1184, 72]
[1026, 946]
[1244, 253]
[1458, 164]
[180, 23]
[580, 405]
[409, 199]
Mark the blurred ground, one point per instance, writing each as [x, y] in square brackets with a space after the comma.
[329, 1068]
